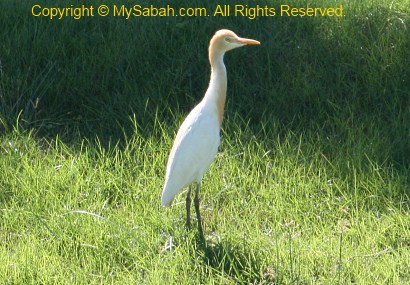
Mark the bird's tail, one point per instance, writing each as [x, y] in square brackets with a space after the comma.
[167, 197]
[166, 203]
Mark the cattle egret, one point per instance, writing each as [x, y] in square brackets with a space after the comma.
[197, 141]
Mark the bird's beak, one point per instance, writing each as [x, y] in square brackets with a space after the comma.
[247, 41]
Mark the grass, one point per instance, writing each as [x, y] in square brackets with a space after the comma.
[275, 211]
[311, 185]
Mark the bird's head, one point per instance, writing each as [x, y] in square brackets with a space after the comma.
[225, 40]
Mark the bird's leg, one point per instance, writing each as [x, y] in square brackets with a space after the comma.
[188, 208]
[198, 215]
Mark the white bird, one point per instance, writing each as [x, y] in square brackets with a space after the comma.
[197, 141]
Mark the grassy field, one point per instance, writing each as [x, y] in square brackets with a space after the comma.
[311, 185]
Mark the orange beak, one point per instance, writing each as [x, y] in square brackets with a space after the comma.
[247, 41]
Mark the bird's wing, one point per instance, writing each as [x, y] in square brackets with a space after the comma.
[194, 149]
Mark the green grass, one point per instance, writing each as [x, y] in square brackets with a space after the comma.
[311, 184]
[275, 210]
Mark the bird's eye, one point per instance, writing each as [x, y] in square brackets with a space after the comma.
[228, 39]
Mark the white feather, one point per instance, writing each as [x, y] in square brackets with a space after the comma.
[193, 151]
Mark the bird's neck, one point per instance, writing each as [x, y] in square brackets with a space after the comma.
[216, 93]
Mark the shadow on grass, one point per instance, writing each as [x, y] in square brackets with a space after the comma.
[317, 75]
[236, 261]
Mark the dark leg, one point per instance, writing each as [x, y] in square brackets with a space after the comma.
[188, 208]
[198, 215]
